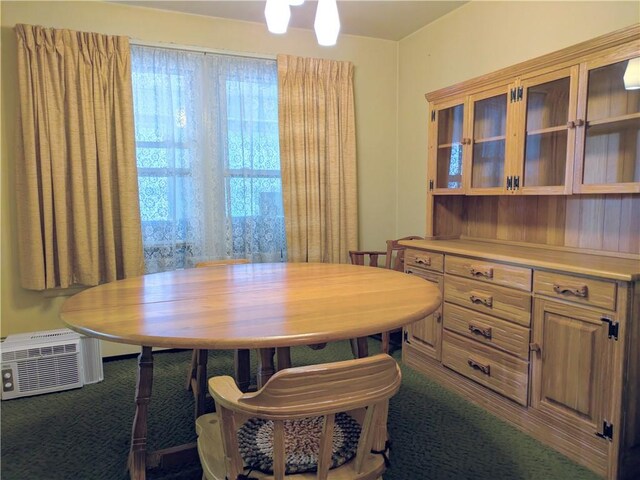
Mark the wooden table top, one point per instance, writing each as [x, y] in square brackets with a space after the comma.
[251, 306]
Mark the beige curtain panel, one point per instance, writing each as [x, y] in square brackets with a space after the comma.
[318, 158]
[77, 186]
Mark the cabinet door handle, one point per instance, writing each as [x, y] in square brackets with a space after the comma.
[484, 332]
[579, 122]
[571, 124]
[534, 347]
[438, 317]
[488, 301]
[423, 261]
[479, 272]
[486, 369]
[581, 291]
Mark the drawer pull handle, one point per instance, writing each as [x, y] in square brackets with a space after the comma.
[485, 332]
[581, 291]
[488, 301]
[423, 261]
[486, 369]
[478, 272]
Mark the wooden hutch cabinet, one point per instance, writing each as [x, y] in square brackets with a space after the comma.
[533, 236]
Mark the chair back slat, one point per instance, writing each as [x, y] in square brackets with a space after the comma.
[279, 453]
[326, 446]
[358, 257]
[367, 435]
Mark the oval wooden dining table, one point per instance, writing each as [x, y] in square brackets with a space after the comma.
[248, 306]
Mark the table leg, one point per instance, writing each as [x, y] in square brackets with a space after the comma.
[200, 388]
[266, 368]
[138, 449]
[360, 347]
[242, 368]
[283, 358]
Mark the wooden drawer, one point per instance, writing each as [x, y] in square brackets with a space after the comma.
[496, 370]
[423, 259]
[588, 291]
[506, 303]
[490, 272]
[419, 272]
[487, 330]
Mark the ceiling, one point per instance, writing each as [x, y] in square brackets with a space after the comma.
[390, 19]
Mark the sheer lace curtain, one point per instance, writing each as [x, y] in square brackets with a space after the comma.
[208, 157]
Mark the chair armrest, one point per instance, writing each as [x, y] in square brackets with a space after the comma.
[224, 391]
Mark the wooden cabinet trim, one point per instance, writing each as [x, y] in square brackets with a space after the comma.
[562, 261]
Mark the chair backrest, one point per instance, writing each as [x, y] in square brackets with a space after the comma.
[216, 263]
[394, 255]
[318, 390]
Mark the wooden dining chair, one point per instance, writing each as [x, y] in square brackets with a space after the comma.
[323, 421]
[197, 375]
[394, 260]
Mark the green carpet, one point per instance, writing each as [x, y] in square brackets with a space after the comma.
[84, 434]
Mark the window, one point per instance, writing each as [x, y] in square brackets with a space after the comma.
[208, 157]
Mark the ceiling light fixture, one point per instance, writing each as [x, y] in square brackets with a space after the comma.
[277, 14]
[632, 74]
[326, 25]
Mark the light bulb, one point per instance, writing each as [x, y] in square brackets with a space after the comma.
[632, 74]
[327, 23]
[277, 14]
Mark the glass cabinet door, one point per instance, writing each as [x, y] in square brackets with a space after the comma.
[609, 142]
[546, 147]
[448, 134]
[489, 141]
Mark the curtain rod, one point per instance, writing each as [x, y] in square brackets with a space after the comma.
[193, 48]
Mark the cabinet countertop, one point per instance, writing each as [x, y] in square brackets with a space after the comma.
[549, 259]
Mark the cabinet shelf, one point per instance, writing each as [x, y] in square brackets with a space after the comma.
[542, 131]
[489, 139]
[449, 145]
[614, 120]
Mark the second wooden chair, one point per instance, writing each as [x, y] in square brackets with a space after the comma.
[394, 260]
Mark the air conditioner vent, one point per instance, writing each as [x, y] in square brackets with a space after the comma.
[44, 362]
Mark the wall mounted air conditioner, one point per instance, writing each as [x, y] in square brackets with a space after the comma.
[48, 361]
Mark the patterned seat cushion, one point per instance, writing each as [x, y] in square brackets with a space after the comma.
[302, 440]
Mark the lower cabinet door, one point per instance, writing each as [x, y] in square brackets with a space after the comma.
[426, 334]
[571, 364]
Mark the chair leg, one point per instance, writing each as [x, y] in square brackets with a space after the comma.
[359, 347]
[242, 368]
[191, 374]
[386, 340]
